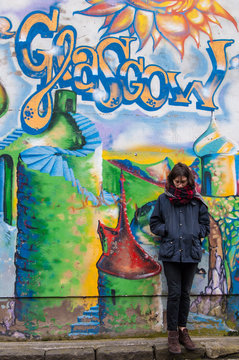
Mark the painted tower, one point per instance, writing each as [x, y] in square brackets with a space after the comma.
[217, 155]
[53, 196]
[52, 202]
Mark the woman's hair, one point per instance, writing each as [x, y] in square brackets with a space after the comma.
[180, 169]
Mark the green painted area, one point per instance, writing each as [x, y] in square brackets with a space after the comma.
[127, 287]
[82, 169]
[225, 211]
[4, 101]
[59, 238]
[35, 314]
[144, 167]
[138, 192]
[8, 182]
[60, 124]
[65, 101]
[129, 313]
[127, 302]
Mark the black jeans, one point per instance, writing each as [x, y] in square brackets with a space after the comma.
[179, 279]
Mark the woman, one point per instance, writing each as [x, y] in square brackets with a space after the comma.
[181, 219]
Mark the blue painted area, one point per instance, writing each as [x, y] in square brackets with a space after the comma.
[88, 323]
[209, 322]
[199, 64]
[165, 59]
[208, 183]
[234, 62]
[9, 139]
[141, 218]
[237, 166]
[24, 247]
[232, 309]
[195, 167]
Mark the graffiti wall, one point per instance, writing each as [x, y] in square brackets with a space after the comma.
[98, 100]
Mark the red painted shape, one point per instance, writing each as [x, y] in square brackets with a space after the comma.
[122, 255]
[130, 171]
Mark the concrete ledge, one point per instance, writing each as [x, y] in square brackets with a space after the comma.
[121, 349]
[21, 354]
[221, 348]
[132, 352]
[69, 353]
[161, 352]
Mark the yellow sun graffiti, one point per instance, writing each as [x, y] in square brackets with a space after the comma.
[173, 20]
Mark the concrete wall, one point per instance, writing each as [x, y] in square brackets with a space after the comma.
[98, 101]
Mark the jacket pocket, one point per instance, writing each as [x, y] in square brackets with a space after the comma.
[196, 250]
[166, 249]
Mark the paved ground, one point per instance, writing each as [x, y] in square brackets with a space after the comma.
[124, 349]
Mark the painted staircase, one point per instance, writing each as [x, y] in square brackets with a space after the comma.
[10, 138]
[53, 160]
[88, 323]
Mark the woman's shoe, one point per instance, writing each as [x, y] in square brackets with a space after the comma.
[185, 339]
[173, 343]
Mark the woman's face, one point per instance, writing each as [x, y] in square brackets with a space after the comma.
[180, 182]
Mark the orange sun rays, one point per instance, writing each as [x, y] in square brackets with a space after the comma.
[173, 20]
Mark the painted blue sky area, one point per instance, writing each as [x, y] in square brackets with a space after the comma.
[234, 63]
[22, 8]
[133, 128]
[16, 89]
[165, 59]
[198, 64]
[197, 67]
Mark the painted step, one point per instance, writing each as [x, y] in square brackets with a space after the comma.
[87, 317]
[91, 312]
[86, 323]
[85, 326]
[88, 332]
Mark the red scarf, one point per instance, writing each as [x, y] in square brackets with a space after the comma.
[181, 196]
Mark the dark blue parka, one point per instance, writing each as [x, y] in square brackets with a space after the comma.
[180, 228]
